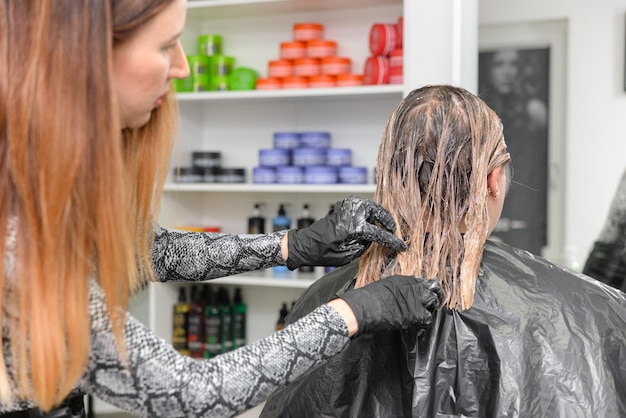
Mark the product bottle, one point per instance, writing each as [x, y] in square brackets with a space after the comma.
[282, 314]
[256, 223]
[179, 323]
[195, 321]
[304, 221]
[240, 311]
[226, 318]
[212, 325]
[280, 223]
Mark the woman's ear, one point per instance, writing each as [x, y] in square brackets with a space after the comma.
[493, 188]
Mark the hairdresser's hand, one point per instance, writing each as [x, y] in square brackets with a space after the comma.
[342, 235]
[393, 303]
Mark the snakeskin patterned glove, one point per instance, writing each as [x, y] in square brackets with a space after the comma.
[342, 235]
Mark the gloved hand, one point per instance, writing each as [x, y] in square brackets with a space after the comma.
[393, 303]
[342, 235]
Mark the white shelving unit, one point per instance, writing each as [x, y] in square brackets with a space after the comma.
[440, 47]
[239, 123]
[269, 188]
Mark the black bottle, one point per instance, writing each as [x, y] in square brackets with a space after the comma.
[256, 223]
[195, 335]
[226, 319]
[212, 325]
[304, 221]
[240, 312]
[282, 315]
[179, 323]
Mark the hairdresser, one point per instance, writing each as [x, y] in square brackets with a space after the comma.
[87, 122]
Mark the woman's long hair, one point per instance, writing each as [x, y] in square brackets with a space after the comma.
[436, 151]
[77, 194]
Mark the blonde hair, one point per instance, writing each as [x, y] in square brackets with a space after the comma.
[77, 192]
[436, 151]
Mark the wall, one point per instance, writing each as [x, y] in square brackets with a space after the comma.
[595, 113]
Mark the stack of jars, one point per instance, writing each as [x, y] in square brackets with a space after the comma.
[211, 70]
[309, 60]
[385, 65]
[306, 157]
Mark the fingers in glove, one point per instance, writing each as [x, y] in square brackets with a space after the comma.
[393, 303]
[352, 251]
[368, 211]
[380, 214]
[344, 256]
[375, 233]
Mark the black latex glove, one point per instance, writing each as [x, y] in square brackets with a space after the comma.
[342, 235]
[393, 303]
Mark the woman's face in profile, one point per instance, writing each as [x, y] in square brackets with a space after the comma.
[145, 64]
[504, 69]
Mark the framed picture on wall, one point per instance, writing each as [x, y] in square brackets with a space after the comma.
[514, 82]
[624, 52]
[534, 55]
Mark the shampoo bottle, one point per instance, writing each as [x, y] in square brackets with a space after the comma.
[280, 223]
[304, 221]
[256, 223]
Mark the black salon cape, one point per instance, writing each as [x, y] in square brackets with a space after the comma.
[539, 341]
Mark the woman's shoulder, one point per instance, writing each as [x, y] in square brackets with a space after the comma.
[512, 271]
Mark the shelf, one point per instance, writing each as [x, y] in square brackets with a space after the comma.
[270, 188]
[201, 4]
[267, 278]
[219, 9]
[387, 90]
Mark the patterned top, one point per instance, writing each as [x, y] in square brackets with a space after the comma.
[160, 382]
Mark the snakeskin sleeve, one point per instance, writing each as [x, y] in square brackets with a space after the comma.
[196, 256]
[159, 382]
